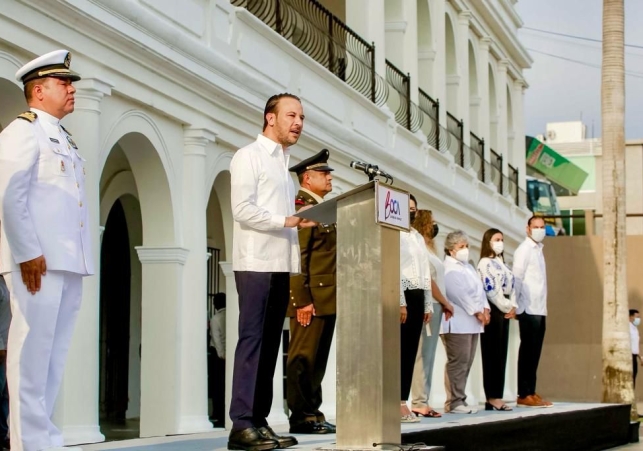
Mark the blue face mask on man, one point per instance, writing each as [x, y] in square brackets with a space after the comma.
[636, 322]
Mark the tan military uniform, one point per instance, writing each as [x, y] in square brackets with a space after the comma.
[310, 346]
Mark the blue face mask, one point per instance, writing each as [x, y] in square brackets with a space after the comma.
[636, 322]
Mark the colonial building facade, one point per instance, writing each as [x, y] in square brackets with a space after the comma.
[431, 90]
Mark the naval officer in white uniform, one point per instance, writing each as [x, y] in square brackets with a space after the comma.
[45, 247]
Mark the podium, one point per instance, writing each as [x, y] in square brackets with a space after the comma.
[368, 219]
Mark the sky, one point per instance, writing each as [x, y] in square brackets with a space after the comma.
[561, 90]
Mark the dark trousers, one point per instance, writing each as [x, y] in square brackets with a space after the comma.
[494, 343]
[410, 333]
[635, 368]
[4, 403]
[532, 335]
[307, 358]
[216, 384]
[263, 299]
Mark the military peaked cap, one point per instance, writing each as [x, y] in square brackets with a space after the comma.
[318, 162]
[53, 64]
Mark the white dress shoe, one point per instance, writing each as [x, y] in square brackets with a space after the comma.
[463, 409]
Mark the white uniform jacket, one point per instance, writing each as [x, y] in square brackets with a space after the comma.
[42, 197]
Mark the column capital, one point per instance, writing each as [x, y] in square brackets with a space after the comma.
[162, 254]
[485, 43]
[465, 17]
[93, 88]
[503, 65]
[226, 267]
[399, 26]
[201, 137]
[427, 55]
[520, 84]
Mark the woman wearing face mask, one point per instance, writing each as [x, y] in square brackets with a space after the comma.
[498, 283]
[416, 307]
[470, 315]
[423, 371]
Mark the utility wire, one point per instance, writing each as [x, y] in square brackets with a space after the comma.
[582, 38]
[584, 63]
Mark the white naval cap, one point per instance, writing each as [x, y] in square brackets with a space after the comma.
[53, 64]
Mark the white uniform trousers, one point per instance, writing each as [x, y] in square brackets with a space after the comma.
[39, 338]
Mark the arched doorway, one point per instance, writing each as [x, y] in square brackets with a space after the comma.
[120, 300]
[452, 68]
[474, 95]
[426, 53]
[115, 292]
[12, 100]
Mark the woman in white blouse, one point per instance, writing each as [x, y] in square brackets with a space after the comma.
[423, 370]
[415, 305]
[498, 283]
[470, 315]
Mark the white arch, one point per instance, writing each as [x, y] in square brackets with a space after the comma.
[9, 64]
[149, 158]
[122, 184]
[222, 163]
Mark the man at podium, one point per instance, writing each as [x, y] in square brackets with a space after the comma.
[265, 252]
[312, 304]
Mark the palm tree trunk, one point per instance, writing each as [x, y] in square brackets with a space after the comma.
[617, 360]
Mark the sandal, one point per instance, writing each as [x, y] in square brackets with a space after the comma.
[410, 419]
[430, 414]
[504, 407]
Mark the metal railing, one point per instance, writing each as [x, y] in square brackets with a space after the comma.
[477, 147]
[495, 170]
[313, 29]
[213, 276]
[455, 130]
[430, 124]
[407, 113]
[322, 36]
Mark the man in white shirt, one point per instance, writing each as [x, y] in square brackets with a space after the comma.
[46, 247]
[635, 321]
[531, 292]
[265, 254]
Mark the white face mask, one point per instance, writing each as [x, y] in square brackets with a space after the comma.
[537, 235]
[498, 246]
[636, 322]
[462, 255]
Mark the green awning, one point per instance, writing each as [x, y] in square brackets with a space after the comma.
[557, 169]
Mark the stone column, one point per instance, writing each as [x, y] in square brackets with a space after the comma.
[462, 55]
[440, 64]
[501, 94]
[193, 385]
[519, 130]
[484, 129]
[366, 18]
[77, 407]
[161, 335]
[231, 333]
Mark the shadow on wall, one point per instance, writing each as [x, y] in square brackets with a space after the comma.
[571, 364]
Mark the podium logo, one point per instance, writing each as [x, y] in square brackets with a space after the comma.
[391, 207]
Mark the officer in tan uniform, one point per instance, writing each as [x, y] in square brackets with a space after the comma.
[312, 304]
[46, 247]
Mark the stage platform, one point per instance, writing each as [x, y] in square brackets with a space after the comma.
[564, 427]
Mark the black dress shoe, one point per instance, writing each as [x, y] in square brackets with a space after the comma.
[309, 427]
[332, 429]
[250, 439]
[283, 440]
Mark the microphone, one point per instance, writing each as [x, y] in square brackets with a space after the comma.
[371, 170]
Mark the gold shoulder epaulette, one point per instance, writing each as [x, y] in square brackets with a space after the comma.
[28, 116]
[61, 126]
